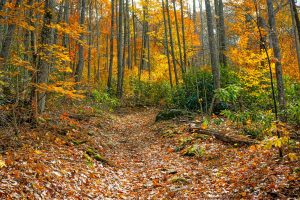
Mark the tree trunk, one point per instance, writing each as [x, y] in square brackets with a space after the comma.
[2, 3]
[171, 42]
[80, 65]
[202, 32]
[296, 28]
[98, 76]
[178, 40]
[166, 42]
[183, 36]
[212, 47]
[277, 55]
[90, 42]
[129, 63]
[65, 39]
[222, 36]
[43, 64]
[111, 53]
[120, 49]
[134, 34]
[8, 37]
[296, 16]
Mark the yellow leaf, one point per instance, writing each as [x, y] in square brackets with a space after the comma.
[292, 156]
[37, 152]
[204, 125]
[2, 164]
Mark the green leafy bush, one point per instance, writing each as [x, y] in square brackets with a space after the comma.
[293, 101]
[105, 100]
[151, 93]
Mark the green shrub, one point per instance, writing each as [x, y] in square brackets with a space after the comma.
[151, 93]
[104, 100]
[293, 101]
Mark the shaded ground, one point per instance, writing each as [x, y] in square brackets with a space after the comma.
[142, 164]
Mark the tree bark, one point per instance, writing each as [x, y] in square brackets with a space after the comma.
[90, 42]
[178, 40]
[183, 36]
[80, 65]
[277, 55]
[43, 65]
[166, 43]
[296, 16]
[98, 76]
[222, 34]
[296, 27]
[120, 48]
[8, 37]
[171, 41]
[111, 53]
[212, 47]
[134, 34]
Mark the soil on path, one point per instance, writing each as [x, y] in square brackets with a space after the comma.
[147, 164]
[142, 163]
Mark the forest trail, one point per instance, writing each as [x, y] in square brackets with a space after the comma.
[142, 163]
[147, 163]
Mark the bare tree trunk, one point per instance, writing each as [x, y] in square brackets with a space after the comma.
[212, 47]
[134, 34]
[183, 35]
[296, 16]
[148, 55]
[129, 62]
[222, 36]
[2, 3]
[166, 42]
[98, 41]
[111, 53]
[178, 40]
[8, 37]
[277, 55]
[80, 65]
[171, 42]
[296, 24]
[144, 42]
[120, 49]
[194, 15]
[58, 20]
[106, 52]
[90, 40]
[43, 65]
[202, 32]
[65, 39]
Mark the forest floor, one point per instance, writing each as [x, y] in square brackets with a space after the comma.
[127, 155]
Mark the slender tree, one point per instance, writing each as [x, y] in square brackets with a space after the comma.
[90, 37]
[212, 47]
[183, 35]
[171, 41]
[80, 65]
[120, 46]
[43, 64]
[111, 52]
[98, 42]
[7, 41]
[221, 34]
[296, 28]
[166, 45]
[178, 39]
[277, 55]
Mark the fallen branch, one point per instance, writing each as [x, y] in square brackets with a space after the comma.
[228, 138]
[81, 117]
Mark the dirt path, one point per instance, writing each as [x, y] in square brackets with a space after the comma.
[143, 164]
[147, 166]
